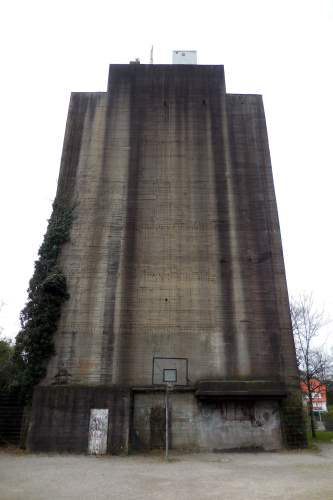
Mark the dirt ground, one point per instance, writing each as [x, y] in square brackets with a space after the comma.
[305, 475]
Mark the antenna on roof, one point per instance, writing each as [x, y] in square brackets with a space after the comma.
[151, 54]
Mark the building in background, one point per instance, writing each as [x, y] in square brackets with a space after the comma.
[319, 399]
[175, 273]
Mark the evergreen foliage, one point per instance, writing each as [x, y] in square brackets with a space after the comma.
[46, 293]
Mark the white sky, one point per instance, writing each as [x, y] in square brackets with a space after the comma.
[281, 49]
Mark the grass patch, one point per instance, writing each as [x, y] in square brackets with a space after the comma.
[321, 437]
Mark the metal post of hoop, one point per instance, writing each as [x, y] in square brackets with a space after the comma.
[168, 386]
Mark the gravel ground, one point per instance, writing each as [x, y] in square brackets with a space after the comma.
[237, 476]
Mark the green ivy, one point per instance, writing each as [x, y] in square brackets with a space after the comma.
[293, 421]
[46, 293]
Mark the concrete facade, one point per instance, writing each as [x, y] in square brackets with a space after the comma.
[175, 254]
[200, 425]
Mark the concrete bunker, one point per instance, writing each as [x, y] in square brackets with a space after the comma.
[174, 262]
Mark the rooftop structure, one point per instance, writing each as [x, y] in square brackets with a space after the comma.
[184, 57]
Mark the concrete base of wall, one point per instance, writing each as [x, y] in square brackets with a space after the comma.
[136, 420]
[61, 415]
[203, 424]
[11, 417]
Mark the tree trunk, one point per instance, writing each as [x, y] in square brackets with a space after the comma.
[312, 422]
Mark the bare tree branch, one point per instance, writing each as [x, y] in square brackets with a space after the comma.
[314, 363]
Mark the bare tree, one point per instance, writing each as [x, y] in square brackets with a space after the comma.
[314, 363]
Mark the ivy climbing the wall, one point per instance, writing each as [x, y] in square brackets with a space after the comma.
[46, 293]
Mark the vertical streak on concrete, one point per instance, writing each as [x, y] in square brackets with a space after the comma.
[116, 160]
[72, 147]
[119, 105]
[170, 118]
[216, 295]
[246, 162]
[269, 315]
[127, 288]
[95, 282]
[232, 305]
[243, 359]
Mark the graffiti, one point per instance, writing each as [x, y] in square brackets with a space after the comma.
[98, 431]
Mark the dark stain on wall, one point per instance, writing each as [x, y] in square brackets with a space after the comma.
[157, 427]
[222, 193]
[72, 145]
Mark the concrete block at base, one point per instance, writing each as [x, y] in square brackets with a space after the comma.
[60, 418]
[205, 425]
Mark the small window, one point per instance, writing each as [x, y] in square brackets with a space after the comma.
[170, 375]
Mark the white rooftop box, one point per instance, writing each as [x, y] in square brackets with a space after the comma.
[184, 57]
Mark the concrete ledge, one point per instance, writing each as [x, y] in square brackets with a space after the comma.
[241, 389]
[161, 388]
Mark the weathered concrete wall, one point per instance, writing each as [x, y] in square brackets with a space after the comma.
[206, 425]
[60, 418]
[175, 249]
[175, 252]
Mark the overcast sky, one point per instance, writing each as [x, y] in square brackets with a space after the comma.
[281, 49]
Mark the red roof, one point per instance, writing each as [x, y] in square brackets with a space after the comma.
[317, 388]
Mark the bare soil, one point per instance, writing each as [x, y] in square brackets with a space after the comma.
[306, 475]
